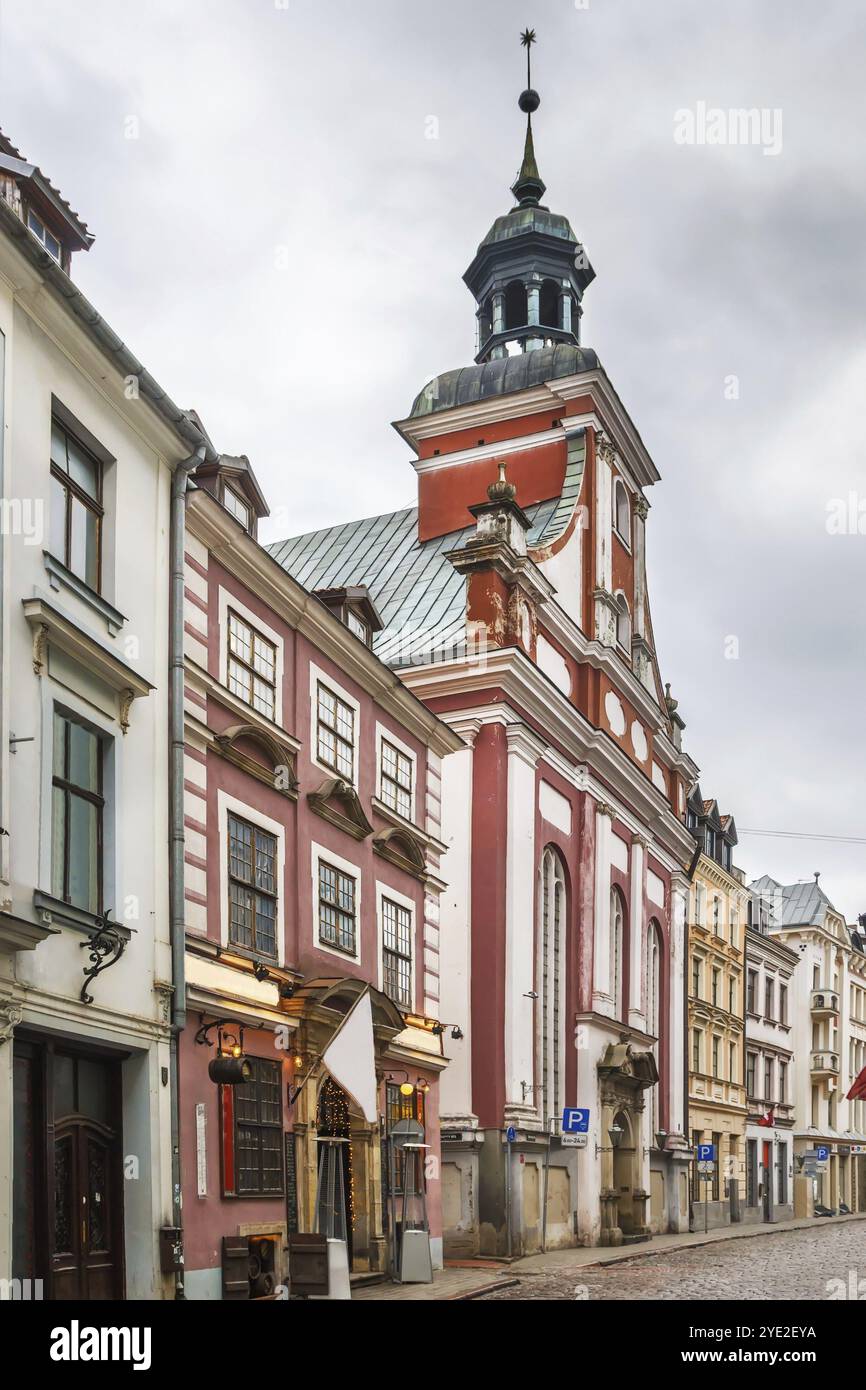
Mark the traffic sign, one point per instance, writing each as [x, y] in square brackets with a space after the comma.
[705, 1166]
[574, 1141]
[706, 1153]
[822, 1153]
[511, 1134]
[575, 1121]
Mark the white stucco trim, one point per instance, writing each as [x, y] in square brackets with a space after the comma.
[225, 804]
[317, 853]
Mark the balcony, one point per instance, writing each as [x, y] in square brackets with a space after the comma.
[825, 1064]
[825, 1004]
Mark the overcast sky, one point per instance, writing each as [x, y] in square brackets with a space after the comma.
[283, 245]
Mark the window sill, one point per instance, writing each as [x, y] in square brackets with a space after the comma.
[56, 912]
[59, 577]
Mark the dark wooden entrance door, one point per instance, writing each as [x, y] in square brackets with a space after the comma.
[85, 1261]
[67, 1225]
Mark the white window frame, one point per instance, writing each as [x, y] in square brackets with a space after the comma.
[321, 852]
[227, 601]
[225, 804]
[317, 677]
[240, 501]
[384, 890]
[384, 735]
[43, 235]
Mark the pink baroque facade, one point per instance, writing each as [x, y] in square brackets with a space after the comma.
[312, 851]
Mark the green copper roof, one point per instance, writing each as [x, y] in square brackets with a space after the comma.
[416, 589]
[523, 220]
[501, 377]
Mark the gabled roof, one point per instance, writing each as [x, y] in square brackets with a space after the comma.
[415, 587]
[13, 162]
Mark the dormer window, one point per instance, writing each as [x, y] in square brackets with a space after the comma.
[41, 232]
[357, 625]
[234, 503]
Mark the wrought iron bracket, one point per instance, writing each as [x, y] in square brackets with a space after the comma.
[105, 947]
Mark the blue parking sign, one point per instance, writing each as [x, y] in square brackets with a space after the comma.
[822, 1153]
[575, 1121]
[706, 1153]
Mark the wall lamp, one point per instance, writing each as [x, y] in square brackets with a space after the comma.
[615, 1134]
[456, 1031]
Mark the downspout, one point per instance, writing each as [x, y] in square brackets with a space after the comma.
[177, 923]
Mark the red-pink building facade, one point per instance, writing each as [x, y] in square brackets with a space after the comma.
[312, 783]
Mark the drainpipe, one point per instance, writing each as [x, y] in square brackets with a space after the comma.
[179, 482]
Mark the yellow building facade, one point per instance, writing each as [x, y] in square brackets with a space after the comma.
[716, 1015]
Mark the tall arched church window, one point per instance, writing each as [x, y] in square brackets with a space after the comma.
[621, 511]
[551, 981]
[653, 1005]
[617, 947]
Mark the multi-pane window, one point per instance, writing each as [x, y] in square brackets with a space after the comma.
[259, 1130]
[41, 232]
[335, 732]
[716, 978]
[768, 1078]
[337, 909]
[716, 1056]
[236, 505]
[696, 1050]
[783, 1083]
[783, 1003]
[357, 625]
[751, 1066]
[396, 779]
[696, 979]
[77, 807]
[732, 1061]
[76, 506]
[751, 991]
[732, 996]
[768, 997]
[252, 888]
[397, 952]
[252, 667]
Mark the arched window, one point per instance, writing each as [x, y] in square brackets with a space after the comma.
[623, 622]
[621, 511]
[515, 304]
[617, 947]
[549, 304]
[653, 1010]
[550, 1061]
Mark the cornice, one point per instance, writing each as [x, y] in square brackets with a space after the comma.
[521, 681]
[514, 444]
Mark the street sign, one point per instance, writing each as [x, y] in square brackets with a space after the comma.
[511, 1134]
[575, 1121]
[706, 1153]
[574, 1141]
[822, 1153]
[704, 1165]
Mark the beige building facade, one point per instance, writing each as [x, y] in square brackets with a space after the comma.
[716, 1030]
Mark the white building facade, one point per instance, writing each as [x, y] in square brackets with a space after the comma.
[771, 1076]
[89, 445]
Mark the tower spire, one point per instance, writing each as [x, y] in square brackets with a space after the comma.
[528, 188]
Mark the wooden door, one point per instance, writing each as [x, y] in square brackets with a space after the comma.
[86, 1262]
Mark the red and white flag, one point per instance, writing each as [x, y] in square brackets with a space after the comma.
[768, 1120]
[858, 1090]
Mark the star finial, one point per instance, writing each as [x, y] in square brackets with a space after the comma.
[527, 37]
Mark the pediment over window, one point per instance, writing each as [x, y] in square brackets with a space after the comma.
[278, 770]
[402, 848]
[337, 801]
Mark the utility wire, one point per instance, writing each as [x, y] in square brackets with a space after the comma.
[800, 835]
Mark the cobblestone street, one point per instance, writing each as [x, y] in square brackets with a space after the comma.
[789, 1265]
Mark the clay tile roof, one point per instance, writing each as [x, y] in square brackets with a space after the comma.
[33, 171]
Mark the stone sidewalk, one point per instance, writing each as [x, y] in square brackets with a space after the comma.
[470, 1278]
